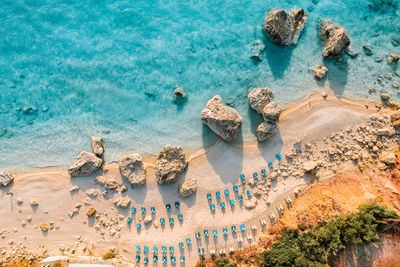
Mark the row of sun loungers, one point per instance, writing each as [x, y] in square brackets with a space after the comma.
[164, 259]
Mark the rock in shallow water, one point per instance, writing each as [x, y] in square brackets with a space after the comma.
[221, 119]
[320, 72]
[171, 162]
[257, 50]
[5, 178]
[131, 167]
[187, 188]
[336, 38]
[284, 28]
[85, 164]
[97, 145]
[259, 98]
[265, 130]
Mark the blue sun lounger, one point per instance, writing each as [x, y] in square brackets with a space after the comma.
[155, 258]
[171, 250]
[155, 250]
[188, 241]
[222, 205]
[215, 233]
[270, 165]
[232, 202]
[224, 231]
[173, 260]
[209, 196]
[138, 226]
[233, 228]
[168, 207]
[164, 249]
[180, 217]
[145, 249]
[218, 195]
[206, 233]
[171, 221]
[197, 235]
[133, 210]
[177, 205]
[181, 245]
[153, 210]
[162, 221]
[278, 156]
[248, 193]
[240, 199]
[235, 188]
[201, 251]
[137, 259]
[226, 192]
[242, 178]
[164, 259]
[137, 249]
[242, 228]
[255, 176]
[145, 260]
[263, 172]
[182, 259]
[212, 207]
[143, 210]
[129, 220]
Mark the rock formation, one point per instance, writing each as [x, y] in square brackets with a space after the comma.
[257, 50]
[221, 119]
[335, 36]
[271, 112]
[187, 188]
[265, 130]
[5, 178]
[284, 28]
[97, 145]
[131, 167]
[85, 164]
[259, 98]
[171, 162]
[123, 202]
[320, 72]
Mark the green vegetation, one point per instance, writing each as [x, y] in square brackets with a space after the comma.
[312, 248]
[224, 262]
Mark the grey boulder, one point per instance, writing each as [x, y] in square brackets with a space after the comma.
[85, 164]
[284, 28]
[259, 98]
[336, 38]
[97, 145]
[221, 119]
[131, 168]
[171, 162]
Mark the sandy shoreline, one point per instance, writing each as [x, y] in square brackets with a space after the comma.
[216, 168]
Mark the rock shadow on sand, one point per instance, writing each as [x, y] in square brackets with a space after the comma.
[269, 148]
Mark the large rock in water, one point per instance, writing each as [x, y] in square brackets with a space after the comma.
[271, 112]
[85, 164]
[284, 28]
[265, 130]
[131, 167]
[259, 98]
[221, 119]
[187, 188]
[5, 178]
[171, 162]
[335, 36]
[97, 145]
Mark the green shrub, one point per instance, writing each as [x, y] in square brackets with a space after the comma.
[224, 262]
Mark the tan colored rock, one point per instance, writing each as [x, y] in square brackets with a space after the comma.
[221, 119]
[336, 38]
[271, 112]
[393, 58]
[131, 168]
[147, 219]
[97, 145]
[259, 98]
[385, 96]
[320, 72]
[284, 28]
[187, 188]
[91, 212]
[265, 130]
[44, 227]
[250, 203]
[85, 164]
[387, 157]
[5, 178]
[34, 203]
[310, 167]
[111, 184]
[171, 162]
[92, 192]
[123, 202]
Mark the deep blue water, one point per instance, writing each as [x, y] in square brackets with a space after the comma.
[72, 69]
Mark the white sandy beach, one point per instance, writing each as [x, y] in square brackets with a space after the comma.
[216, 168]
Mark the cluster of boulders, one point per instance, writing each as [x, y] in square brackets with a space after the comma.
[5, 178]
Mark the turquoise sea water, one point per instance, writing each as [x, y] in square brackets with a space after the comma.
[72, 69]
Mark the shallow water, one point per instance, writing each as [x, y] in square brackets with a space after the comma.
[69, 70]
